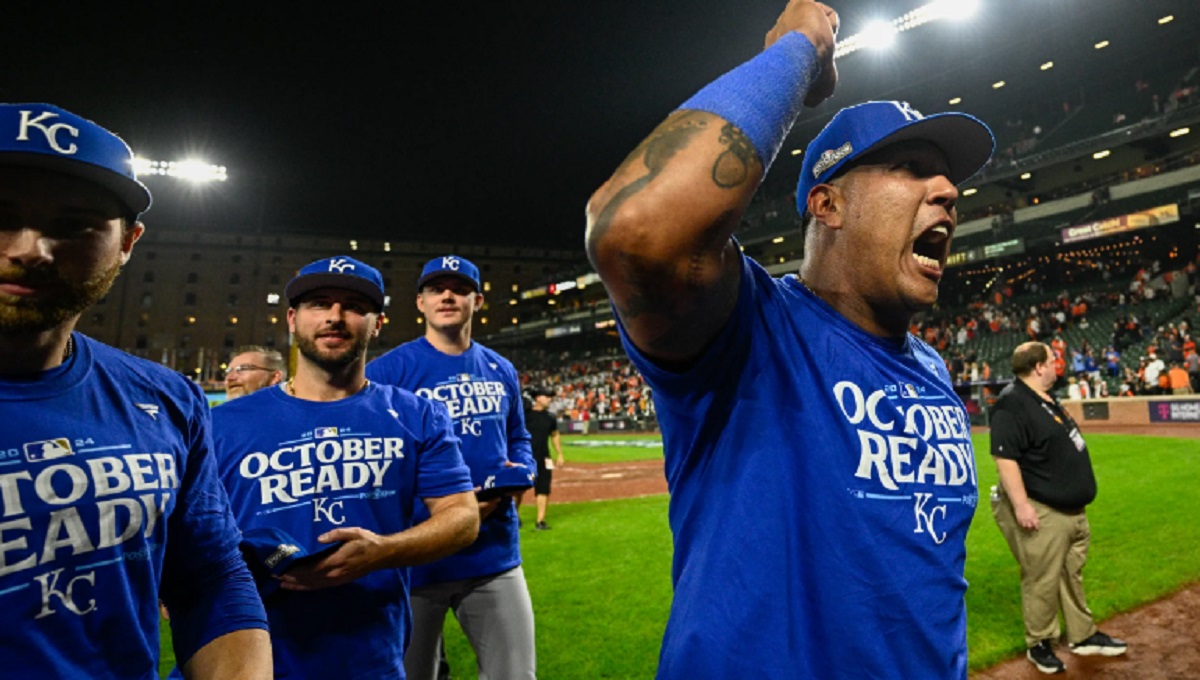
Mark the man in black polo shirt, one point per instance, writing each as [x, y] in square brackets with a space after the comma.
[543, 430]
[1046, 482]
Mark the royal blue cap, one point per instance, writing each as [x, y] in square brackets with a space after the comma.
[270, 551]
[339, 271]
[450, 265]
[506, 480]
[857, 130]
[47, 137]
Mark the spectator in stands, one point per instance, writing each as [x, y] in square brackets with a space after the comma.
[1178, 380]
[1150, 377]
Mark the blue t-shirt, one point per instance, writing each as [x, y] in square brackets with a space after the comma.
[482, 394]
[109, 498]
[822, 482]
[309, 467]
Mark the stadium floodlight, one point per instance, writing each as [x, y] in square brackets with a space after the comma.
[1101, 154]
[970, 192]
[191, 170]
[1101, 45]
[998, 84]
[956, 101]
[879, 35]
[1179, 132]
[885, 32]
[1166, 20]
[1047, 66]
[1026, 175]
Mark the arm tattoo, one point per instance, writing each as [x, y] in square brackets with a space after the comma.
[655, 151]
[734, 164]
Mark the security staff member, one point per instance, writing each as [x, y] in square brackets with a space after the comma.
[1046, 482]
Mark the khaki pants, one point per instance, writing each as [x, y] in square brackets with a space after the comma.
[1051, 561]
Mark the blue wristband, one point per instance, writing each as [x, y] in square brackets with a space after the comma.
[764, 96]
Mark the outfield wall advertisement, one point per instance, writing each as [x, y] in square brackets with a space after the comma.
[1182, 411]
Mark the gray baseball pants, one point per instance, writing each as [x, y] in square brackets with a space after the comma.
[496, 615]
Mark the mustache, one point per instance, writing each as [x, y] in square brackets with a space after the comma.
[38, 276]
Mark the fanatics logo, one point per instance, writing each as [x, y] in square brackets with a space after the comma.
[48, 449]
[150, 409]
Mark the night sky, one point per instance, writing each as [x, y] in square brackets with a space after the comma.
[471, 122]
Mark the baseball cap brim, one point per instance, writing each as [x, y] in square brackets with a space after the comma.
[439, 274]
[300, 285]
[133, 194]
[966, 142]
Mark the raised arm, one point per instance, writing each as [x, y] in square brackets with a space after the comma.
[659, 229]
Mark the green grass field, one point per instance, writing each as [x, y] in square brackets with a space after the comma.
[600, 578]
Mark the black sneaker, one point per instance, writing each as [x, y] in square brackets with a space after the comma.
[541, 525]
[1042, 656]
[1099, 643]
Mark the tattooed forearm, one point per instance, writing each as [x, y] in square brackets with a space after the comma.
[734, 164]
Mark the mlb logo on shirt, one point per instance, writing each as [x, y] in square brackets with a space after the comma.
[908, 391]
[325, 432]
[48, 449]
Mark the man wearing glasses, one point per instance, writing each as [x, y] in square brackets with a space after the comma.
[252, 368]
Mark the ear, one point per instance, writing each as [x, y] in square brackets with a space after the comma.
[378, 325]
[827, 204]
[478, 301]
[291, 319]
[129, 237]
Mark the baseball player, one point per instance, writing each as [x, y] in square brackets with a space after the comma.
[820, 465]
[109, 493]
[338, 464]
[484, 584]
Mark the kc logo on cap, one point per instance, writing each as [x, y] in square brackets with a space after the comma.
[449, 265]
[856, 131]
[337, 272]
[47, 137]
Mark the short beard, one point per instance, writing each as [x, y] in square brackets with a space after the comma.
[331, 362]
[63, 301]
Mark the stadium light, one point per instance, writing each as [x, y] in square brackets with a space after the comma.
[956, 101]
[1101, 154]
[191, 170]
[880, 34]
[998, 84]
[1101, 45]
[1179, 132]
[1047, 66]
[777, 239]
[1026, 175]
[1166, 20]
[970, 192]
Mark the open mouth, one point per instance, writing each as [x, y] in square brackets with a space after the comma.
[932, 247]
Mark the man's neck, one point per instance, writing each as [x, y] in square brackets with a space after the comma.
[1031, 382]
[28, 353]
[452, 341]
[315, 383]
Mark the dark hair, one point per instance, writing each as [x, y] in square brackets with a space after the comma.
[1027, 356]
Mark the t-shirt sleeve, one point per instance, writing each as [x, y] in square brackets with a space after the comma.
[520, 447]
[384, 370]
[206, 584]
[440, 467]
[1008, 437]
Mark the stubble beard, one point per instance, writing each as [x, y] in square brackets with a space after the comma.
[64, 300]
[327, 360]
